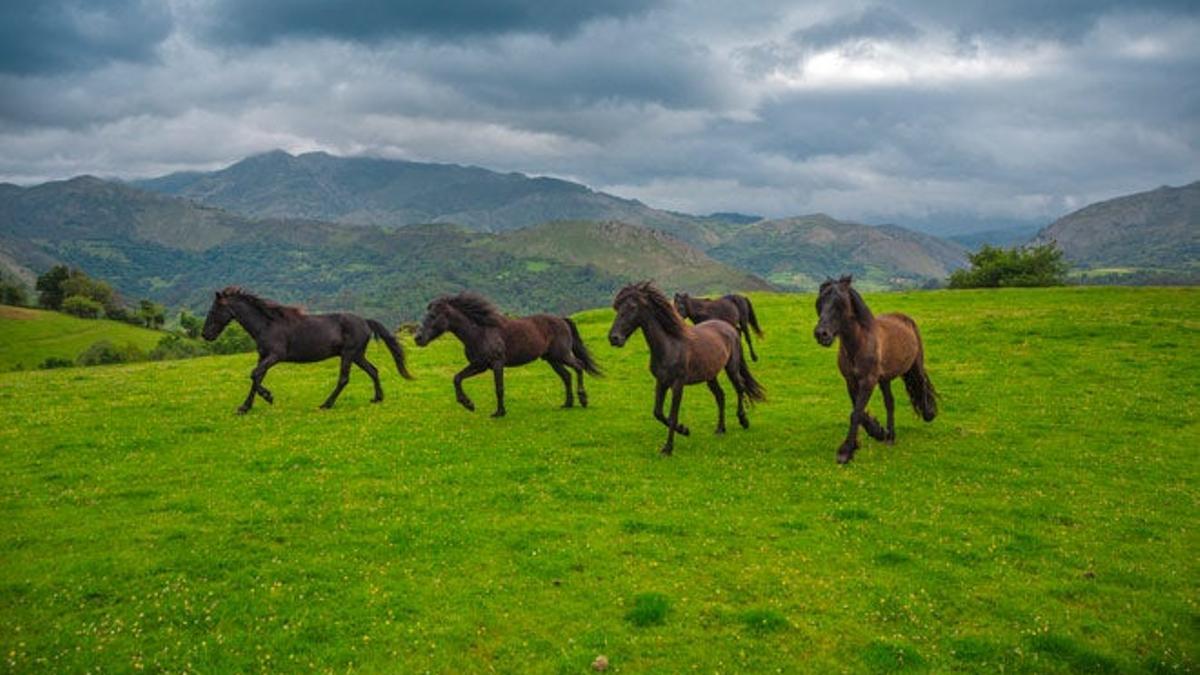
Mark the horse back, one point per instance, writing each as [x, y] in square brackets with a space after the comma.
[710, 345]
[897, 343]
[528, 338]
[315, 337]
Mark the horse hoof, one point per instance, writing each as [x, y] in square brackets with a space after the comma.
[243, 410]
[266, 396]
[745, 422]
[844, 456]
[326, 406]
[666, 450]
[683, 431]
[567, 405]
[468, 405]
[498, 413]
[377, 400]
[720, 431]
[582, 401]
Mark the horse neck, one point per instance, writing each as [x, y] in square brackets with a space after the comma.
[657, 338]
[254, 320]
[464, 328]
[853, 337]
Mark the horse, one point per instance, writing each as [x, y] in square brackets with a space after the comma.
[493, 341]
[681, 355]
[874, 350]
[284, 333]
[734, 309]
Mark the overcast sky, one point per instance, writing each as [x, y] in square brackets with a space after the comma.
[943, 114]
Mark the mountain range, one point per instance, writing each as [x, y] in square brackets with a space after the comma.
[383, 236]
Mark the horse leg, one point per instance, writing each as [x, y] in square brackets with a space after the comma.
[660, 392]
[719, 395]
[885, 386]
[265, 394]
[746, 332]
[578, 367]
[874, 429]
[566, 379]
[498, 375]
[256, 378]
[343, 378]
[863, 391]
[471, 370]
[370, 369]
[733, 372]
[676, 398]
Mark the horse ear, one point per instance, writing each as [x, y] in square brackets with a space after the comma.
[845, 280]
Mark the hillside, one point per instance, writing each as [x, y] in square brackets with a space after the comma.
[176, 251]
[798, 253]
[627, 252]
[147, 527]
[1159, 229]
[393, 193]
[30, 336]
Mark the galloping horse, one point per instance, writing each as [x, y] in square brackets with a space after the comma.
[734, 309]
[493, 341]
[285, 333]
[874, 350]
[681, 354]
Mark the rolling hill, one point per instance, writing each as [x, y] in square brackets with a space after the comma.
[176, 251]
[30, 336]
[798, 253]
[394, 193]
[1158, 229]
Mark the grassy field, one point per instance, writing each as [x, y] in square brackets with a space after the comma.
[30, 336]
[1046, 521]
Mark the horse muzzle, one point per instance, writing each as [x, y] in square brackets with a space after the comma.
[420, 339]
[616, 340]
[824, 337]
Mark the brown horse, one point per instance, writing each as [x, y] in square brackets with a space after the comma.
[681, 354]
[284, 333]
[493, 341]
[874, 350]
[734, 309]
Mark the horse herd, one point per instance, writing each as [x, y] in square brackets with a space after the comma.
[873, 350]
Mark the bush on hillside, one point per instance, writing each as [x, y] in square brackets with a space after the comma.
[104, 352]
[234, 340]
[49, 287]
[190, 324]
[175, 346]
[84, 308]
[994, 267]
[52, 362]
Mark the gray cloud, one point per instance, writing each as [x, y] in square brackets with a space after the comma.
[47, 36]
[935, 115]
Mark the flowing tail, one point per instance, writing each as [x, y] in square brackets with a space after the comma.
[921, 393]
[381, 332]
[751, 317]
[580, 350]
[754, 390]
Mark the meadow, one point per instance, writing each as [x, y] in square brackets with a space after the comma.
[1046, 521]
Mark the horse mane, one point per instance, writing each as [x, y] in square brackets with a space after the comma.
[475, 307]
[270, 308]
[662, 309]
[861, 312]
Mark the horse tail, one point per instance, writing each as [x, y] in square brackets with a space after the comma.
[920, 389]
[580, 350]
[750, 315]
[754, 391]
[381, 332]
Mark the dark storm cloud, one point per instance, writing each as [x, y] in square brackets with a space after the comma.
[265, 21]
[923, 113]
[48, 36]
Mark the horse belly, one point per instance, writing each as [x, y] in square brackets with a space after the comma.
[897, 344]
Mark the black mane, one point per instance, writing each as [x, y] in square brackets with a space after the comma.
[268, 307]
[475, 307]
[662, 309]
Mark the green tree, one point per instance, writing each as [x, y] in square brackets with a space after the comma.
[79, 283]
[49, 287]
[82, 307]
[994, 267]
[190, 324]
[151, 314]
[13, 293]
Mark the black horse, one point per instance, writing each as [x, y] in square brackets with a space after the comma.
[285, 333]
[681, 355]
[493, 341]
[734, 309]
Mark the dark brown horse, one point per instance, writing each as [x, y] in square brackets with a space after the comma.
[493, 341]
[874, 350]
[681, 354]
[734, 309]
[285, 333]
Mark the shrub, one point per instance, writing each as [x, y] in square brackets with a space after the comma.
[190, 324]
[53, 362]
[84, 308]
[175, 346]
[13, 293]
[993, 267]
[49, 287]
[104, 353]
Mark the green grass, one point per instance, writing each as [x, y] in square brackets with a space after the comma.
[30, 336]
[1045, 522]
